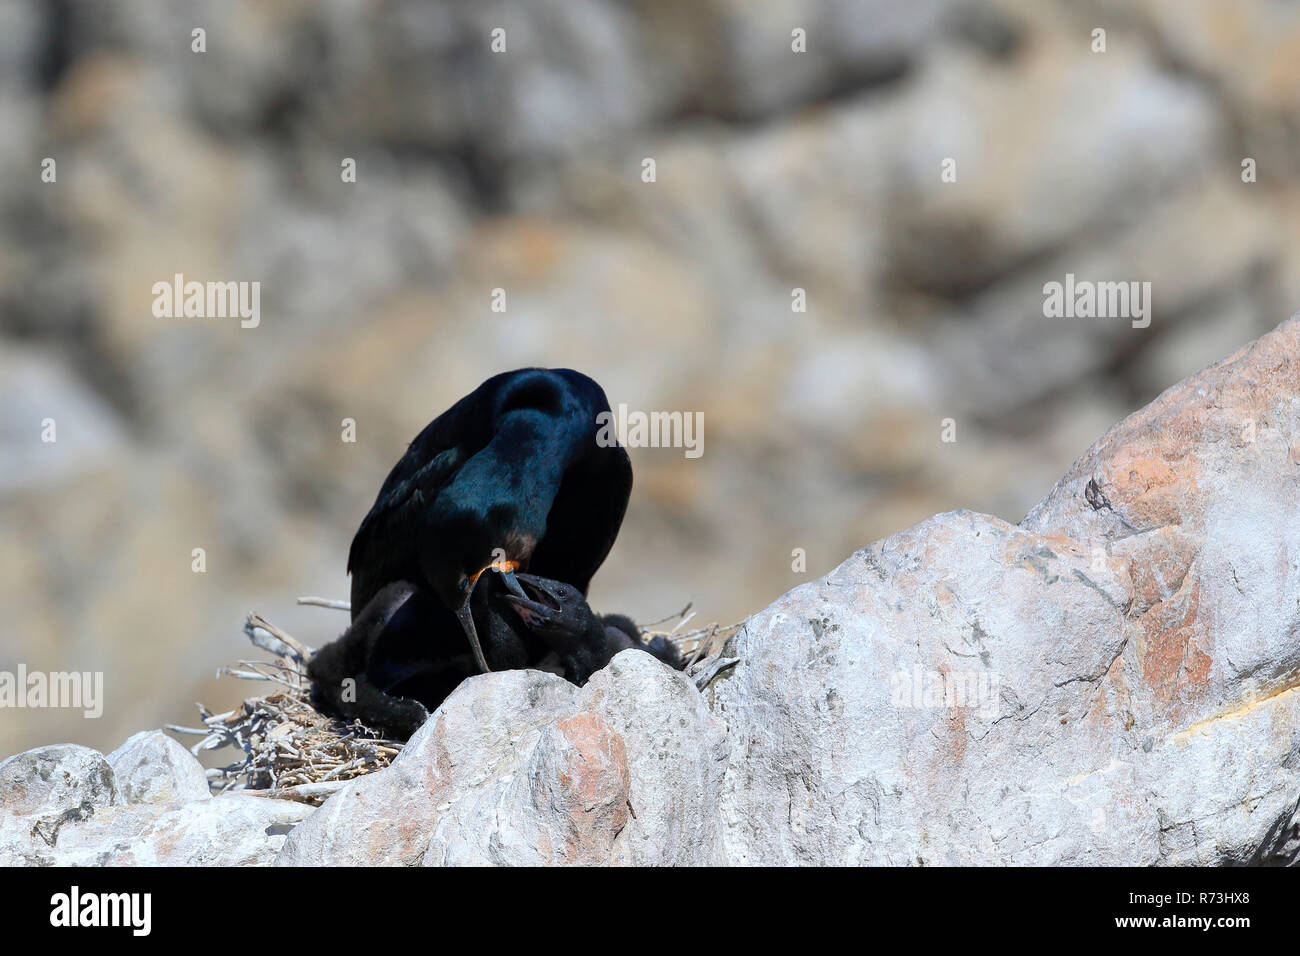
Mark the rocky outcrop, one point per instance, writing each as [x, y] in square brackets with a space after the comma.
[1115, 680]
[142, 806]
[522, 767]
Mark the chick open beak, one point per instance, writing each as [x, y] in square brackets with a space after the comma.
[534, 605]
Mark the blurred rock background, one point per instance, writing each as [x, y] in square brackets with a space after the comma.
[522, 171]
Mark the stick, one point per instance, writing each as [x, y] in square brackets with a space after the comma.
[242, 675]
[701, 645]
[271, 638]
[303, 792]
[326, 602]
[680, 624]
[187, 730]
[681, 613]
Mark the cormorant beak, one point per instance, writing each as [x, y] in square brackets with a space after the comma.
[512, 582]
[507, 571]
[466, 618]
[505, 568]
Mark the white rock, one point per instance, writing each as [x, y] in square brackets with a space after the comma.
[521, 767]
[227, 830]
[60, 806]
[52, 780]
[153, 768]
[1132, 651]
[676, 753]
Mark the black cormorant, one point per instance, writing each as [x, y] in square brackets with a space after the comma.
[511, 477]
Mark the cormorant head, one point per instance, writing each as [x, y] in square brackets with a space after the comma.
[470, 544]
[552, 609]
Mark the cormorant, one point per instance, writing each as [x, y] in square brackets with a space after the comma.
[509, 478]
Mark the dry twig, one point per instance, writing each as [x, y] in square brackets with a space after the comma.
[693, 644]
[326, 602]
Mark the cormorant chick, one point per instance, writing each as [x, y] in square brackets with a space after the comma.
[342, 684]
[397, 662]
[582, 640]
[623, 633]
[389, 670]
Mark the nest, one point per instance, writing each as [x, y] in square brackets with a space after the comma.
[286, 749]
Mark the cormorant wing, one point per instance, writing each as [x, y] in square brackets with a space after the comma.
[384, 547]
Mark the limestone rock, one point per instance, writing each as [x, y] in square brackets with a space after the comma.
[227, 830]
[153, 768]
[566, 803]
[1114, 681]
[521, 767]
[53, 780]
[61, 806]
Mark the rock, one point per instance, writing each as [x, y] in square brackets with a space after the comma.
[61, 806]
[1061, 692]
[54, 780]
[676, 753]
[387, 818]
[848, 761]
[1217, 41]
[565, 805]
[20, 28]
[1246, 52]
[747, 68]
[1006, 358]
[521, 767]
[1068, 177]
[227, 830]
[153, 768]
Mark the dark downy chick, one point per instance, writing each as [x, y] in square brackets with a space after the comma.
[396, 663]
[582, 640]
